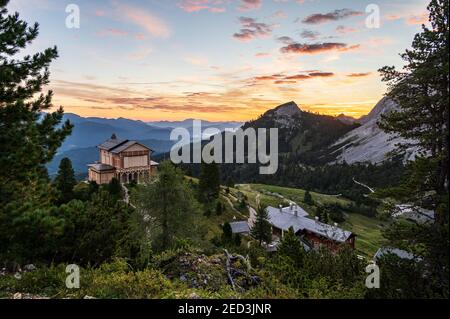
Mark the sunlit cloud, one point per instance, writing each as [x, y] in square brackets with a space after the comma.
[122, 64]
[341, 29]
[317, 48]
[252, 29]
[319, 18]
[359, 75]
[197, 60]
[200, 5]
[310, 35]
[247, 5]
[417, 19]
[152, 24]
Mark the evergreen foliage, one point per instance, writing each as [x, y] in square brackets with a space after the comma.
[421, 90]
[65, 181]
[209, 182]
[170, 204]
[262, 230]
[29, 138]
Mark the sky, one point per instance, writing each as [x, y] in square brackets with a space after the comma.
[220, 59]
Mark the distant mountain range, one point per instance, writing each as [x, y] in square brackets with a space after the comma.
[88, 132]
[189, 122]
[304, 138]
[91, 131]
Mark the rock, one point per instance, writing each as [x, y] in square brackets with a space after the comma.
[89, 297]
[17, 295]
[194, 296]
[183, 278]
[18, 276]
[29, 267]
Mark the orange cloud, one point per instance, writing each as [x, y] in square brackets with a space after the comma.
[358, 75]
[150, 23]
[417, 19]
[251, 29]
[317, 48]
[247, 5]
[319, 18]
[199, 5]
[345, 30]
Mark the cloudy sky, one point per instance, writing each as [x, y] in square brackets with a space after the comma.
[220, 59]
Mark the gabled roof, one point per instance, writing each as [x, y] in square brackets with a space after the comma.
[116, 145]
[285, 219]
[293, 209]
[240, 227]
[112, 143]
[122, 147]
[403, 254]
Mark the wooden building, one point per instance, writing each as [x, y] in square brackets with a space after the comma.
[125, 160]
[312, 232]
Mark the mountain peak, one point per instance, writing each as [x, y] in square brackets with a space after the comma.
[287, 109]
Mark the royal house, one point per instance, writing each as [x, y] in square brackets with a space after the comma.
[128, 161]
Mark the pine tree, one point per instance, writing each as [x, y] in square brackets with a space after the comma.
[308, 198]
[65, 181]
[262, 230]
[219, 208]
[292, 247]
[237, 240]
[421, 90]
[209, 182]
[324, 217]
[227, 234]
[115, 188]
[170, 204]
[29, 138]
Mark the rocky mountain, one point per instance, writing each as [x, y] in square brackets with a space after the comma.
[303, 136]
[347, 119]
[368, 143]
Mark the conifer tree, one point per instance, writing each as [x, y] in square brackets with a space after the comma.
[227, 234]
[308, 198]
[115, 188]
[209, 182]
[262, 230]
[421, 91]
[170, 206]
[292, 247]
[65, 181]
[29, 137]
